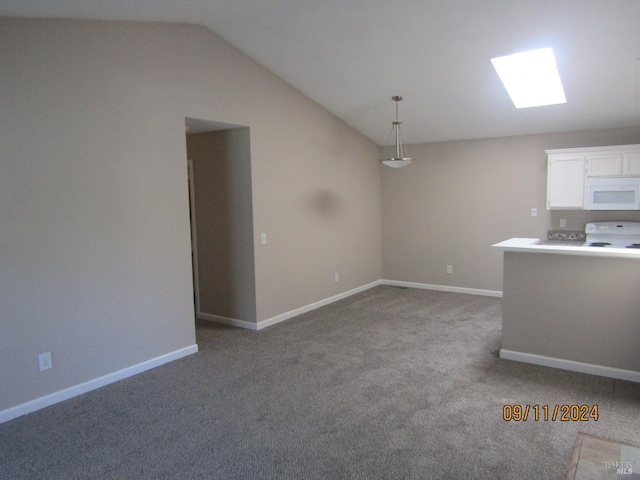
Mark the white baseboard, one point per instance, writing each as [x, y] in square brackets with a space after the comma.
[571, 365]
[298, 311]
[56, 397]
[443, 288]
[67, 393]
[287, 315]
[234, 322]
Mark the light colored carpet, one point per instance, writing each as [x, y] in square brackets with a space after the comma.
[387, 384]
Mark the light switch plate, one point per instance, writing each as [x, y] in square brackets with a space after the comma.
[44, 361]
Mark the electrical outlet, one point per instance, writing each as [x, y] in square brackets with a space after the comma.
[44, 361]
[534, 212]
[337, 276]
[263, 238]
[563, 223]
[449, 269]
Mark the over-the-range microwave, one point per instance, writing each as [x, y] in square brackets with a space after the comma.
[613, 193]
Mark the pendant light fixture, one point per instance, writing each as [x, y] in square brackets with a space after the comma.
[401, 158]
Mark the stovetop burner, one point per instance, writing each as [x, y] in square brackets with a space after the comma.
[613, 235]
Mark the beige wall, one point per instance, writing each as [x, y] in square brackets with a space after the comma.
[458, 198]
[224, 223]
[94, 214]
[316, 194]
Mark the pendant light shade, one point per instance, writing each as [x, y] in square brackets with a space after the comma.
[401, 158]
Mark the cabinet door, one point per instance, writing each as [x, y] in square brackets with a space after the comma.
[604, 164]
[632, 163]
[565, 181]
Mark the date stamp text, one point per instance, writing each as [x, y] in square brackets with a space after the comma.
[550, 413]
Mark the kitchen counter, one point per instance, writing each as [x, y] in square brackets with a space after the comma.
[571, 307]
[564, 247]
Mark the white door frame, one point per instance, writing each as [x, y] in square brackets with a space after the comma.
[194, 242]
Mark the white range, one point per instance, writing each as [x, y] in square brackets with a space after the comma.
[613, 235]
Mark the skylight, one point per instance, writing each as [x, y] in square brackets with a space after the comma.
[531, 78]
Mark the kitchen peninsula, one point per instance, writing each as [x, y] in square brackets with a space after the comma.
[572, 307]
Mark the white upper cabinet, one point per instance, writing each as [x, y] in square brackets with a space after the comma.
[565, 181]
[604, 164]
[632, 163]
[569, 168]
[616, 161]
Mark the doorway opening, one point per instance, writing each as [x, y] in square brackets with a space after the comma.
[221, 214]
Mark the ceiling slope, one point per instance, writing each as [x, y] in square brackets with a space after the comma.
[352, 57]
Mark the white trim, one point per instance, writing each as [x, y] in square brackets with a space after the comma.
[234, 322]
[571, 365]
[298, 311]
[67, 393]
[194, 236]
[443, 288]
[284, 316]
[56, 397]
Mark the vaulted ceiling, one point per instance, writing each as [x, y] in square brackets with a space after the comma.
[352, 56]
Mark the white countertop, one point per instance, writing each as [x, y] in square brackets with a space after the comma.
[534, 245]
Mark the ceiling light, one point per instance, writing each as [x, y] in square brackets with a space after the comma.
[531, 78]
[401, 159]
